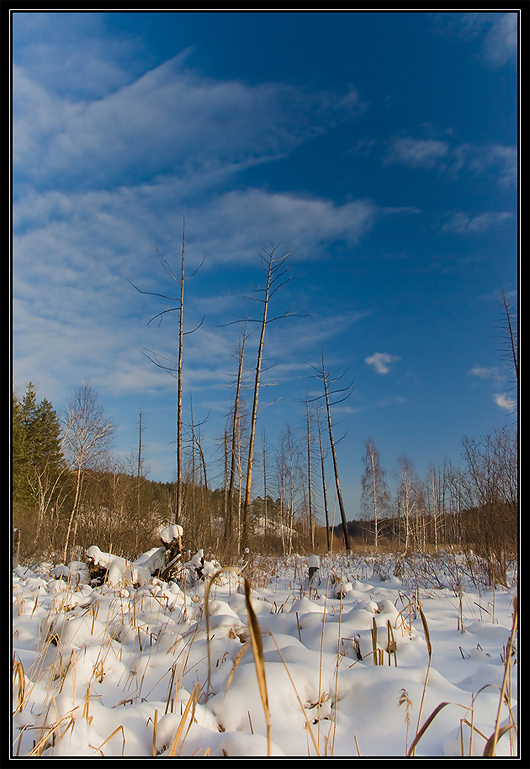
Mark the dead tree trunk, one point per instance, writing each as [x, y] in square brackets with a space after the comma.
[325, 377]
[236, 422]
[309, 479]
[324, 489]
[275, 271]
[175, 371]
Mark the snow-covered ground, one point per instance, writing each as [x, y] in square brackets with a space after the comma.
[118, 670]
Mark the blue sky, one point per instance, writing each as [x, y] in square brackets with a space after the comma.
[379, 148]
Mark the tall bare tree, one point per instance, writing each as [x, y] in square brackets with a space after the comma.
[511, 329]
[309, 477]
[332, 397]
[234, 438]
[324, 487]
[276, 276]
[175, 370]
[264, 449]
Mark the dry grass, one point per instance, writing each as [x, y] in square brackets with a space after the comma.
[54, 729]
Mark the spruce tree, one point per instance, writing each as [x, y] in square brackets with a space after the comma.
[37, 464]
[47, 449]
[18, 451]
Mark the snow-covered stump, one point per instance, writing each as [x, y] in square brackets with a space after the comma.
[313, 563]
[204, 570]
[198, 563]
[114, 570]
[159, 562]
[171, 538]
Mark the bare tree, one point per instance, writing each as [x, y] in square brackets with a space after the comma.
[435, 498]
[45, 486]
[288, 475]
[276, 272]
[87, 437]
[375, 494]
[309, 478]
[264, 450]
[175, 370]
[324, 488]
[489, 487]
[139, 467]
[511, 328]
[199, 479]
[235, 435]
[333, 397]
[407, 498]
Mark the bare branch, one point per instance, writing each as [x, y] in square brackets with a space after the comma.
[154, 293]
[193, 330]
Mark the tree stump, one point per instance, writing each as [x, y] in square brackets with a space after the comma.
[171, 538]
[15, 548]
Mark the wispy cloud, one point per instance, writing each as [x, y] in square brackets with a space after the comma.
[380, 361]
[168, 121]
[495, 33]
[417, 153]
[498, 161]
[495, 377]
[483, 372]
[462, 223]
[93, 62]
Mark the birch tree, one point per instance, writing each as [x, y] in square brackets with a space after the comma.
[87, 437]
[407, 498]
[375, 495]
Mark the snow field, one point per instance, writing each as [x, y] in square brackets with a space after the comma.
[118, 670]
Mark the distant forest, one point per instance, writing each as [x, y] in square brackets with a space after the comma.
[68, 493]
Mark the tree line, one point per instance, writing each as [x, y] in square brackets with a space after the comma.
[472, 506]
[69, 493]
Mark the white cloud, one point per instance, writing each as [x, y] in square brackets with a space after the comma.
[504, 402]
[302, 223]
[380, 361]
